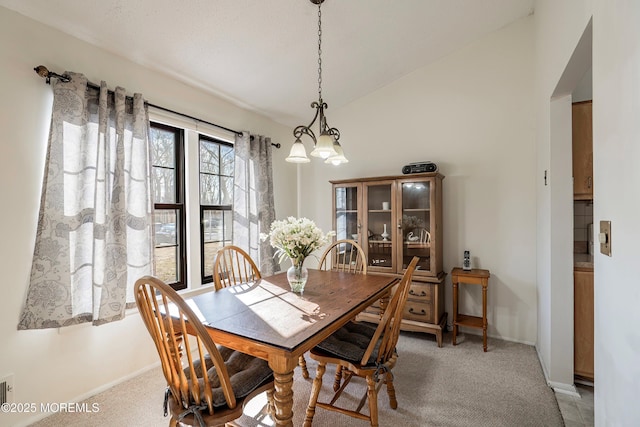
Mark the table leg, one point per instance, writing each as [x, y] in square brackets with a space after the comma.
[484, 316]
[283, 396]
[455, 311]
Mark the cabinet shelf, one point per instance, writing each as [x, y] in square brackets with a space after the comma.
[416, 210]
[415, 245]
[469, 321]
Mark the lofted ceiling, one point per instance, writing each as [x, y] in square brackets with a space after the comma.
[262, 55]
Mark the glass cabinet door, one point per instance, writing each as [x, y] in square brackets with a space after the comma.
[415, 223]
[379, 220]
[347, 223]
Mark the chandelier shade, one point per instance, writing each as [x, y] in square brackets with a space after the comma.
[324, 147]
[339, 157]
[325, 144]
[298, 154]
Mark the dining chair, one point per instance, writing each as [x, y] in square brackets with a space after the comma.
[363, 351]
[342, 255]
[234, 266]
[207, 385]
[421, 235]
[424, 236]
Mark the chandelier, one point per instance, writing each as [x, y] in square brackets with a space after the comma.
[326, 145]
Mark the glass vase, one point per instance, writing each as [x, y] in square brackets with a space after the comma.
[297, 276]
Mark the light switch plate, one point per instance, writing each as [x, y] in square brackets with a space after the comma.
[605, 237]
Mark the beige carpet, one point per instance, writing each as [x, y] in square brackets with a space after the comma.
[448, 386]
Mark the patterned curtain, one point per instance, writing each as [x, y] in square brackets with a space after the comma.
[253, 210]
[94, 228]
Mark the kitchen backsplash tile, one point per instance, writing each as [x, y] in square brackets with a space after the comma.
[580, 247]
[582, 217]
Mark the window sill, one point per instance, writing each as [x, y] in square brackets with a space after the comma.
[186, 293]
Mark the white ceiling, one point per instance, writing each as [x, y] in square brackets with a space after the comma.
[262, 55]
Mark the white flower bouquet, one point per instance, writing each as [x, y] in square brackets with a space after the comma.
[296, 238]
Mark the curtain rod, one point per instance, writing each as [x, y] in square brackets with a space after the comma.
[48, 75]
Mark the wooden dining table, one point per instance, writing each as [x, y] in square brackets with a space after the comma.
[265, 319]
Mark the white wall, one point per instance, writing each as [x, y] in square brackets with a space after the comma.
[59, 366]
[472, 114]
[559, 26]
[616, 154]
[584, 90]
[560, 303]
[616, 131]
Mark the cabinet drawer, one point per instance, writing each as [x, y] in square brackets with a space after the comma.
[374, 306]
[373, 310]
[422, 292]
[418, 292]
[418, 311]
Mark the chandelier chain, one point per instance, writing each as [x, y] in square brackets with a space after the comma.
[319, 52]
[325, 141]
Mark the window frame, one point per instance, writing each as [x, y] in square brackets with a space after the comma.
[179, 205]
[205, 207]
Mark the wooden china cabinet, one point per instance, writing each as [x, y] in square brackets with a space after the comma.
[395, 218]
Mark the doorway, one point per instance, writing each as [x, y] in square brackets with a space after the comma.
[574, 81]
[583, 249]
[570, 234]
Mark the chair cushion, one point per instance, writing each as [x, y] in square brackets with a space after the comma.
[245, 372]
[350, 342]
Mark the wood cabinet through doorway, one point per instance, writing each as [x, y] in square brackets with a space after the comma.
[583, 323]
[582, 150]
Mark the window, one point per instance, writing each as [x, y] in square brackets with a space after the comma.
[167, 159]
[216, 200]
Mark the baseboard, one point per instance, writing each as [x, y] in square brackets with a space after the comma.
[582, 381]
[91, 393]
[474, 331]
[562, 388]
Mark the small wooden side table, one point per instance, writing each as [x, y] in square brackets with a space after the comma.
[472, 277]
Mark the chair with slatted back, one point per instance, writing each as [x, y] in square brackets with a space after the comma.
[366, 352]
[207, 385]
[424, 236]
[343, 255]
[234, 266]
